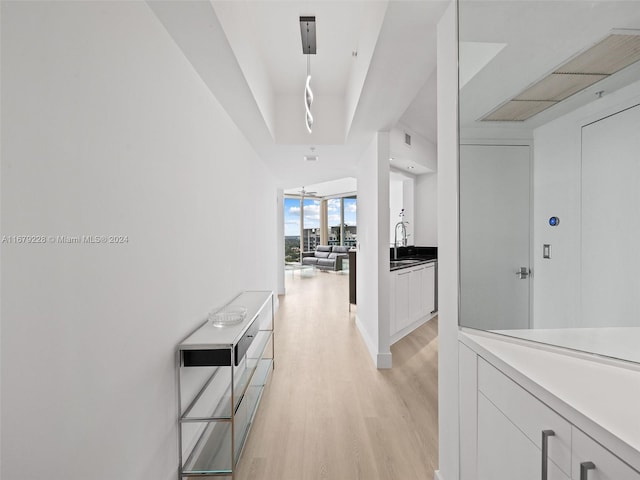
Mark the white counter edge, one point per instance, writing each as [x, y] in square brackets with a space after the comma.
[499, 350]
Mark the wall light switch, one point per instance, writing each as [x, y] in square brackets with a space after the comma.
[546, 250]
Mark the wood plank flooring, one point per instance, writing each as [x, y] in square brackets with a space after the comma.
[327, 412]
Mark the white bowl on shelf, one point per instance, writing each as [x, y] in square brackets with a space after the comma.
[229, 315]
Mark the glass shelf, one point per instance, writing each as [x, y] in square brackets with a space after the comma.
[215, 400]
[212, 454]
[222, 400]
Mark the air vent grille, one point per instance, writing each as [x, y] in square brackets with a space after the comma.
[407, 139]
[615, 52]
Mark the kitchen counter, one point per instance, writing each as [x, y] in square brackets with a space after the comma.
[411, 256]
[409, 262]
[599, 396]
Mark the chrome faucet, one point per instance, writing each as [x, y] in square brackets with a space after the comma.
[403, 229]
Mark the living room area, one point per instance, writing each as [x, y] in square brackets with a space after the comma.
[320, 227]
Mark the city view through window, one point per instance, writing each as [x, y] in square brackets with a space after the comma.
[341, 227]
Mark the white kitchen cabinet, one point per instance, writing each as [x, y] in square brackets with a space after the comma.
[530, 415]
[428, 289]
[400, 315]
[504, 451]
[412, 299]
[504, 412]
[606, 466]
[510, 426]
[416, 294]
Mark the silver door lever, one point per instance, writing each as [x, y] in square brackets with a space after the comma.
[523, 273]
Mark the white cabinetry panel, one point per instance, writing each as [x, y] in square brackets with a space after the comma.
[412, 299]
[504, 452]
[415, 296]
[607, 465]
[403, 282]
[528, 413]
[428, 289]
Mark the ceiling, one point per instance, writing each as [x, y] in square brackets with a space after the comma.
[374, 67]
[332, 188]
[524, 41]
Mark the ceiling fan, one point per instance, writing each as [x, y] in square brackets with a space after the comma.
[305, 193]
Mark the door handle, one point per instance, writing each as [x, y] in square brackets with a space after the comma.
[523, 273]
[584, 469]
[545, 451]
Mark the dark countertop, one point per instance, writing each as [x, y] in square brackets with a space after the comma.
[412, 256]
[409, 262]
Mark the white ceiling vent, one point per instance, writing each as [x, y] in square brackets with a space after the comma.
[311, 158]
[615, 52]
[407, 139]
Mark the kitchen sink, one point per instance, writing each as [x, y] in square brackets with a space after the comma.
[396, 263]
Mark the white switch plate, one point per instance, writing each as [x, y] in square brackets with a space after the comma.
[546, 250]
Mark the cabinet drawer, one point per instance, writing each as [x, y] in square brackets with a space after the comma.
[220, 357]
[528, 413]
[504, 452]
[607, 465]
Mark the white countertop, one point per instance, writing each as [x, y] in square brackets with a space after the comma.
[208, 336]
[600, 397]
[616, 342]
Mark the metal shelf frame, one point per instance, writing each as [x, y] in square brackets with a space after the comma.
[236, 387]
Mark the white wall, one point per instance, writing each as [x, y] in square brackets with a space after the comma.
[108, 130]
[557, 192]
[421, 150]
[426, 210]
[401, 195]
[448, 246]
[280, 242]
[373, 276]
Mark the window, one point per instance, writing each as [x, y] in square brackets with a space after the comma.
[334, 217]
[350, 208]
[292, 229]
[311, 219]
[302, 228]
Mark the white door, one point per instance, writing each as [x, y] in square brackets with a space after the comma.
[610, 221]
[494, 236]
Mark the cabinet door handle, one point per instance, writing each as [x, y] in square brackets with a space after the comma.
[584, 469]
[545, 451]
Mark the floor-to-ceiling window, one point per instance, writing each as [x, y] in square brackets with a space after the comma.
[292, 215]
[335, 221]
[350, 208]
[311, 222]
[303, 226]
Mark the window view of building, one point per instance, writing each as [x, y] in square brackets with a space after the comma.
[341, 213]
[303, 228]
[292, 214]
[311, 222]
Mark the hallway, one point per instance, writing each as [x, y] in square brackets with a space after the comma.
[327, 413]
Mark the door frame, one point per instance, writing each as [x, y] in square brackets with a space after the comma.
[502, 142]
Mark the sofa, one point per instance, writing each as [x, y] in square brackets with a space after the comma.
[326, 257]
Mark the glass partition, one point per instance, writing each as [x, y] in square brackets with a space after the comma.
[549, 174]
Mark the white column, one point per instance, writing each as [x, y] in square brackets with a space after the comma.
[448, 245]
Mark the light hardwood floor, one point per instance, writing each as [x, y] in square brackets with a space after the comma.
[327, 412]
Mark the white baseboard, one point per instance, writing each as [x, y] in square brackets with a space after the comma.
[276, 303]
[407, 330]
[384, 360]
[373, 351]
[380, 360]
[437, 475]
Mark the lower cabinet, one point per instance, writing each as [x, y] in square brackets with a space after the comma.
[412, 298]
[504, 451]
[594, 462]
[511, 422]
[507, 433]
